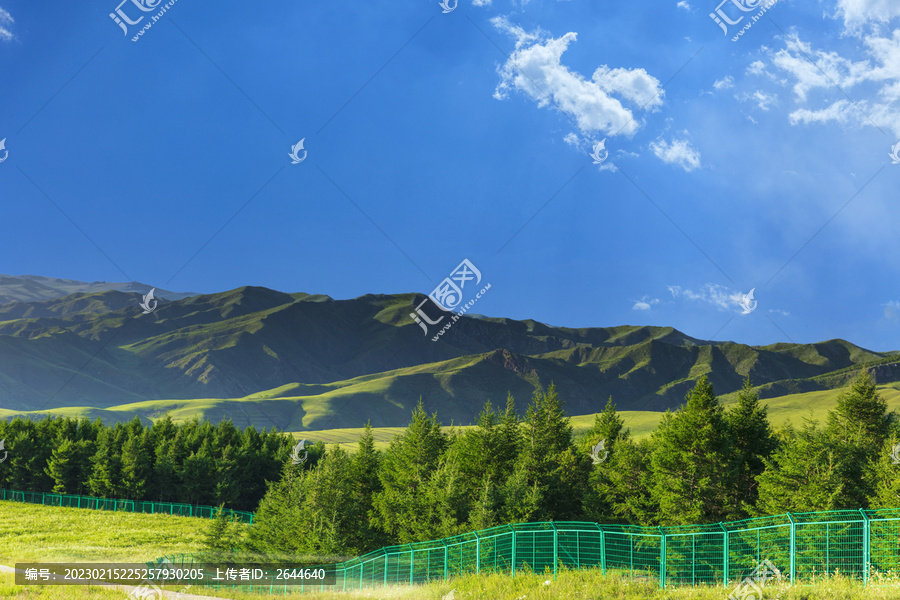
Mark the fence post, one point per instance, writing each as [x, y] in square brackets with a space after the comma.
[662, 557]
[385, 565]
[724, 555]
[867, 542]
[602, 550]
[793, 545]
[477, 552]
[555, 547]
[512, 570]
[446, 558]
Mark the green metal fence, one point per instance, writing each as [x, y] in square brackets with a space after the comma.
[801, 546]
[114, 504]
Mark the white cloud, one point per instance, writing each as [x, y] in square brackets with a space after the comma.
[711, 293]
[858, 13]
[779, 312]
[6, 21]
[880, 66]
[892, 310]
[830, 68]
[481, 2]
[645, 303]
[677, 152]
[571, 139]
[535, 68]
[684, 4]
[724, 83]
[757, 67]
[763, 100]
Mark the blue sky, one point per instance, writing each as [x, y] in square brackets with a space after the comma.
[431, 137]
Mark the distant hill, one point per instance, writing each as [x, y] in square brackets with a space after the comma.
[300, 361]
[34, 288]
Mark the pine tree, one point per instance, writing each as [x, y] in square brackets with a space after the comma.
[859, 426]
[861, 412]
[608, 427]
[137, 464]
[802, 475]
[407, 466]
[754, 442]
[364, 484]
[554, 469]
[627, 496]
[197, 476]
[63, 467]
[106, 472]
[883, 475]
[691, 460]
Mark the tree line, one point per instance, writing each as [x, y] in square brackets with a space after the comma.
[703, 464]
[191, 463]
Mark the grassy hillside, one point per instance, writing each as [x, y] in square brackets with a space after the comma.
[793, 409]
[300, 362]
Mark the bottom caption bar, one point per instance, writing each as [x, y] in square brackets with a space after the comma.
[162, 574]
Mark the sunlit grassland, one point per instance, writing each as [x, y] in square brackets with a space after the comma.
[33, 532]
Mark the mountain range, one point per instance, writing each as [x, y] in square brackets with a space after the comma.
[299, 361]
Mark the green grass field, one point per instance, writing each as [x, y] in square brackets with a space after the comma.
[38, 533]
[782, 410]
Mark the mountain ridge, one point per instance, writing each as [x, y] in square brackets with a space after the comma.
[366, 357]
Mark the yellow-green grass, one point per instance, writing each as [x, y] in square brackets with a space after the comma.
[588, 584]
[793, 408]
[33, 532]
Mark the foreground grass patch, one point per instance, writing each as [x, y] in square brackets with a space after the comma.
[36, 533]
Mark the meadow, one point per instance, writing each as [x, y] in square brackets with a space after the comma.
[54, 534]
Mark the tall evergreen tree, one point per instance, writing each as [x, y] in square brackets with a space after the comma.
[137, 464]
[364, 485]
[553, 467]
[63, 467]
[628, 494]
[754, 442]
[609, 428]
[803, 474]
[407, 466]
[691, 460]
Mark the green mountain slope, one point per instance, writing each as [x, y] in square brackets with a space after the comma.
[300, 362]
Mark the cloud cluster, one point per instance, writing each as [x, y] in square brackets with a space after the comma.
[859, 13]
[535, 68]
[6, 22]
[645, 303]
[712, 293]
[676, 152]
[810, 70]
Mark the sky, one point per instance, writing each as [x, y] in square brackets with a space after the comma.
[599, 163]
